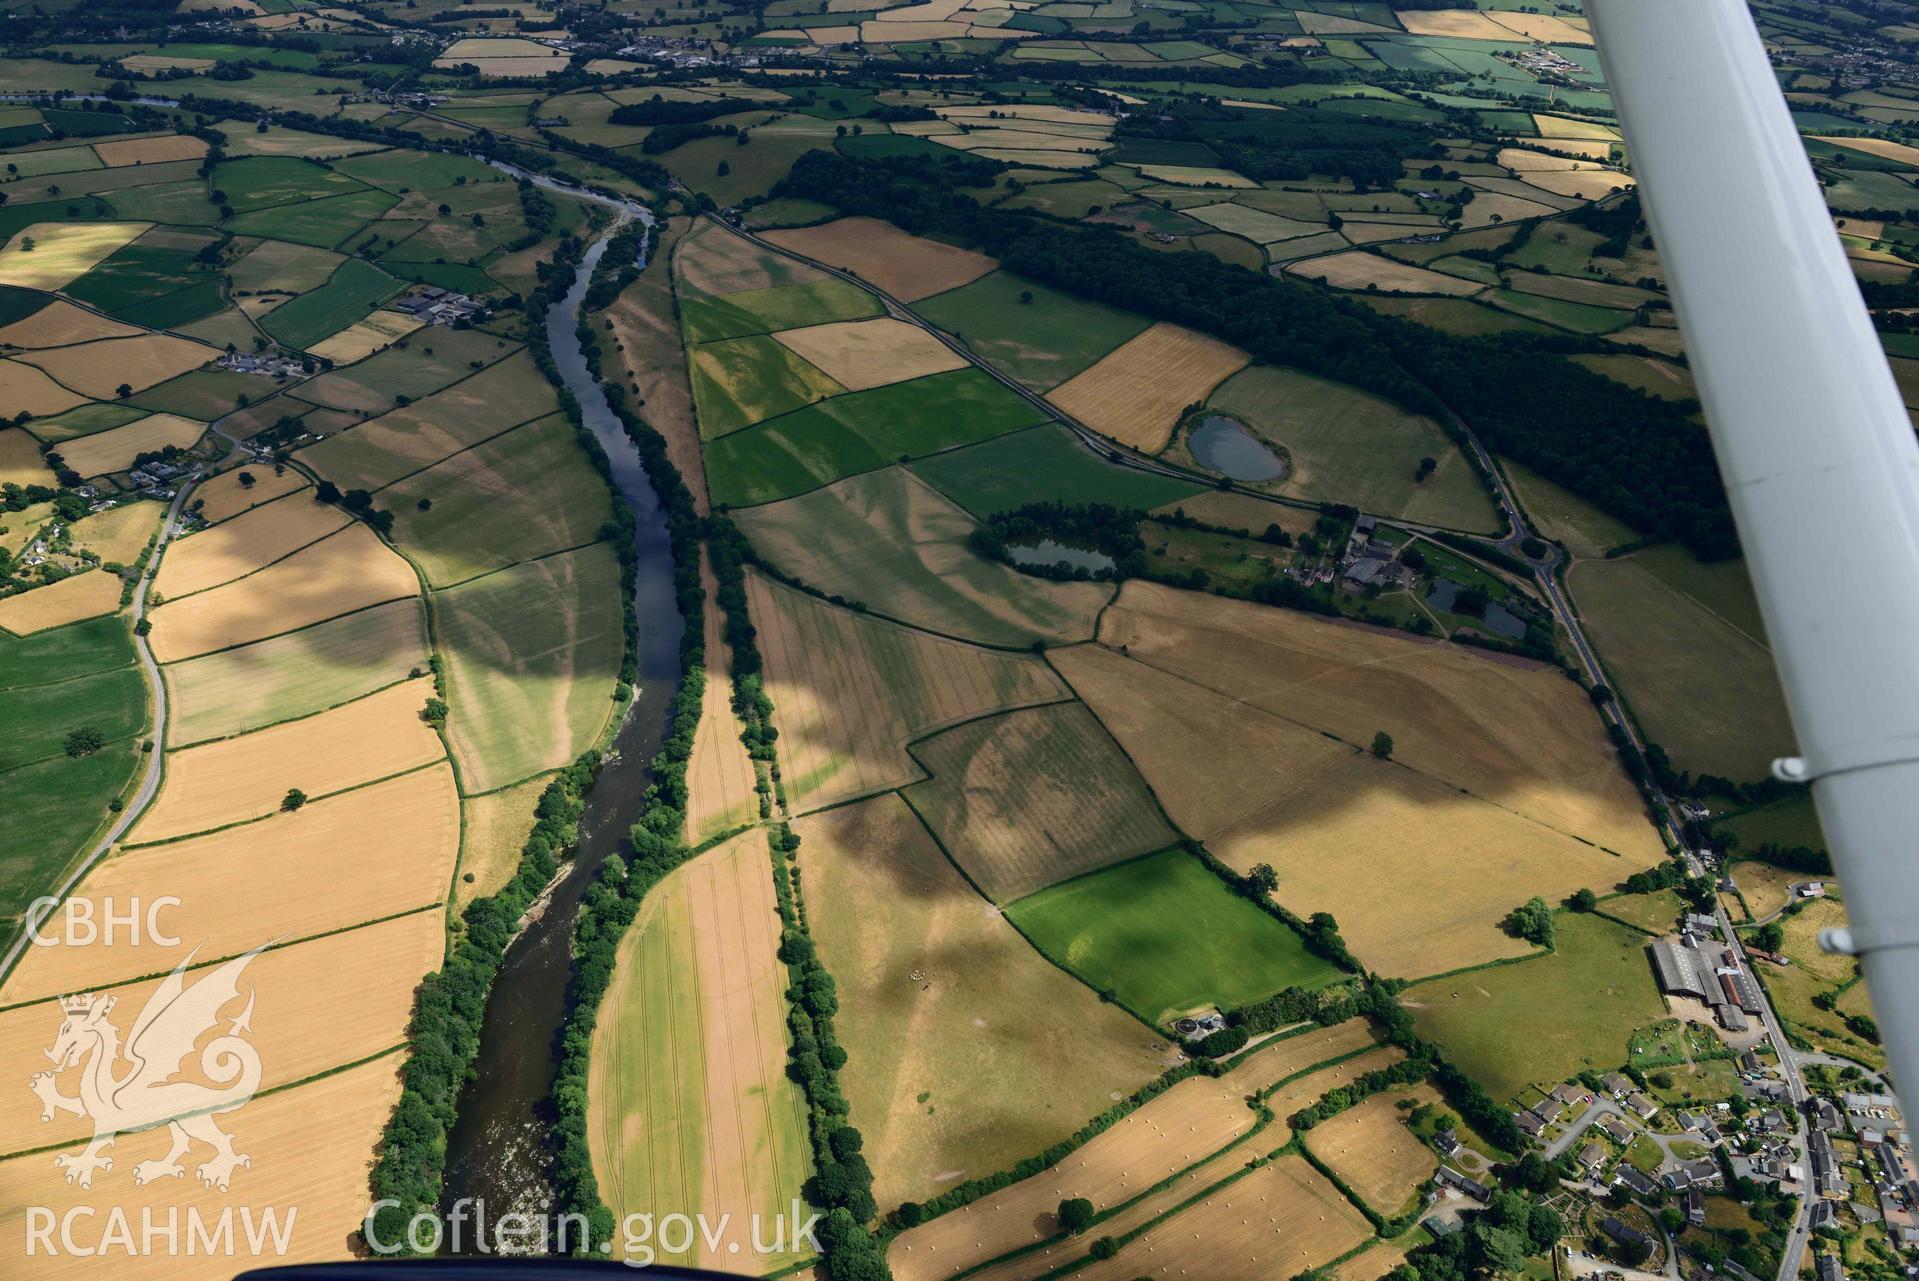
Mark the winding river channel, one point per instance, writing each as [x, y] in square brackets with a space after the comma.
[499, 1154]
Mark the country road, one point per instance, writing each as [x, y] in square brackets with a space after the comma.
[157, 688]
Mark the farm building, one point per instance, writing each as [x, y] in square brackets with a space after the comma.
[1689, 966]
[1449, 1177]
[1827, 1266]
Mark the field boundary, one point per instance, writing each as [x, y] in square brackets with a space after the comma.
[128, 847]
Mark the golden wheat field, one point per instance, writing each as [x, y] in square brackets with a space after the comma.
[318, 1005]
[296, 674]
[906, 266]
[248, 542]
[858, 354]
[1135, 394]
[119, 534]
[85, 595]
[115, 450]
[720, 776]
[150, 151]
[227, 494]
[1283, 1219]
[494, 829]
[706, 943]
[33, 392]
[61, 323]
[50, 255]
[234, 779]
[362, 338]
[1376, 844]
[324, 1172]
[1358, 270]
[849, 691]
[1374, 1152]
[341, 573]
[21, 462]
[362, 855]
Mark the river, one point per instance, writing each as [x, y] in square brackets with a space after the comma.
[499, 1154]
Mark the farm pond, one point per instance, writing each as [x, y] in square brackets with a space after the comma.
[1220, 444]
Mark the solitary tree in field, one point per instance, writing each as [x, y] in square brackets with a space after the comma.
[293, 800]
[1585, 901]
[1263, 878]
[1026, 297]
[123, 390]
[85, 741]
[1076, 1215]
[1383, 745]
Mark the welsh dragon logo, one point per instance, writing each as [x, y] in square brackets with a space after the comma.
[126, 1089]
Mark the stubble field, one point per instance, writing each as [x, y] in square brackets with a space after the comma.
[246, 777]
[1135, 393]
[1033, 797]
[341, 573]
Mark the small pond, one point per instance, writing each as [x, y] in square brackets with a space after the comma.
[1048, 552]
[1222, 445]
[1499, 620]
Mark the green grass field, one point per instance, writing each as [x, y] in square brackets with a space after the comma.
[860, 432]
[414, 367]
[205, 394]
[741, 381]
[1578, 1006]
[52, 807]
[1350, 447]
[1788, 822]
[1459, 316]
[264, 182]
[1579, 317]
[1701, 683]
[39, 717]
[893, 543]
[78, 649]
[1562, 515]
[403, 167]
[532, 656]
[296, 674]
[84, 421]
[321, 223]
[706, 318]
[524, 494]
[356, 289]
[1166, 936]
[135, 274]
[1041, 343]
[1040, 463]
[178, 203]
